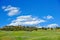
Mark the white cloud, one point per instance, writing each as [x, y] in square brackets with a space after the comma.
[11, 10]
[52, 25]
[49, 17]
[26, 20]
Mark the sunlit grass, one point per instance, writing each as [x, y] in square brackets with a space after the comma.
[34, 35]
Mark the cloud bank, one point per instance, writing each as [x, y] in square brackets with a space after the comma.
[11, 10]
[26, 20]
[52, 25]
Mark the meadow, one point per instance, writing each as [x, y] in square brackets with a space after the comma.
[33, 35]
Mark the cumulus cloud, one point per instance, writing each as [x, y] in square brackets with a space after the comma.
[48, 17]
[26, 20]
[11, 10]
[52, 25]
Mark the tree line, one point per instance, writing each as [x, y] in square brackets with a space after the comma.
[25, 28]
[19, 28]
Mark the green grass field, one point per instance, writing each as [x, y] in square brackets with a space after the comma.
[26, 35]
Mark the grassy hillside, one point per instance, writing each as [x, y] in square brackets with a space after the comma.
[26, 35]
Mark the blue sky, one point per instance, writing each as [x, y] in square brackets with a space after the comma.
[45, 12]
